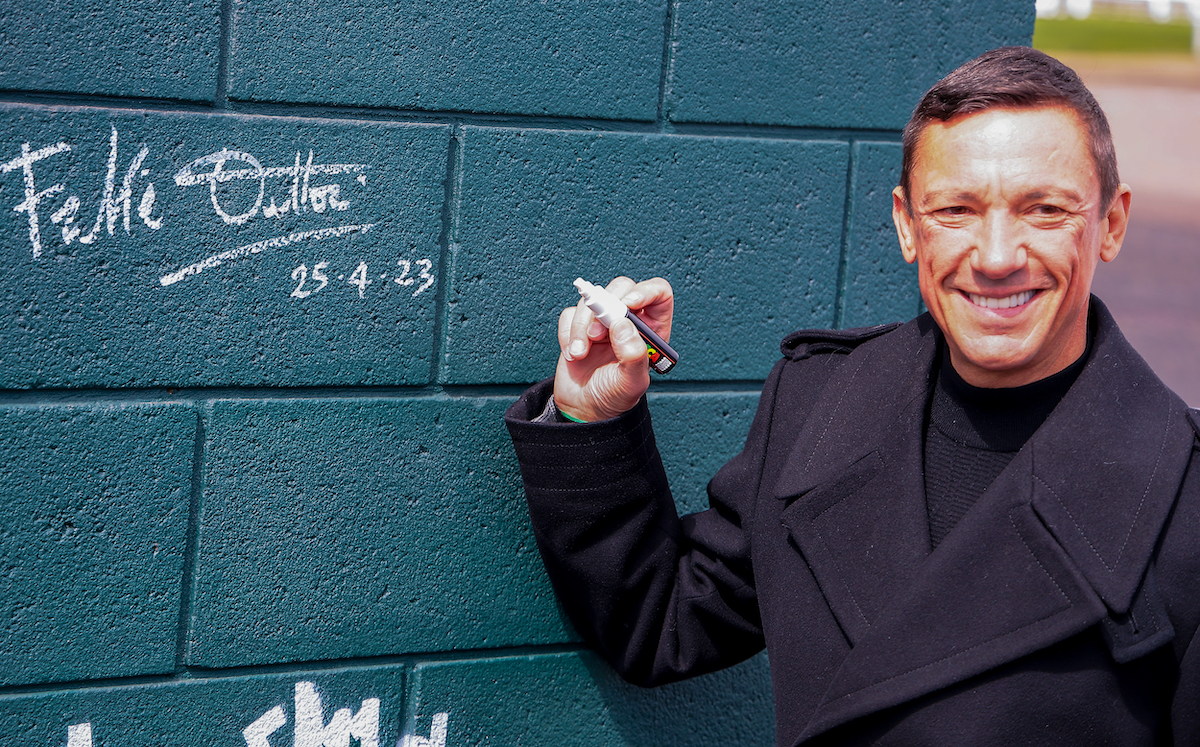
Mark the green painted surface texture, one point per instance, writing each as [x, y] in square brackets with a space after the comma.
[880, 286]
[682, 422]
[92, 539]
[569, 58]
[161, 49]
[826, 63]
[575, 699]
[746, 230]
[349, 528]
[272, 271]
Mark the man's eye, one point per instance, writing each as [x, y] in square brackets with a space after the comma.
[1047, 210]
[954, 210]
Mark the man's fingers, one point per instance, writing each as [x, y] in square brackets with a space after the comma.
[577, 344]
[652, 298]
[653, 301]
[564, 327]
[620, 285]
[627, 344]
[649, 293]
[598, 383]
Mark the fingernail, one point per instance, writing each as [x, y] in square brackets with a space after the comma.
[595, 329]
[632, 298]
[576, 349]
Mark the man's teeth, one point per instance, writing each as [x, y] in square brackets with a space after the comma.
[1008, 302]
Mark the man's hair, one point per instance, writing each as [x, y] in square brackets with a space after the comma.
[1013, 77]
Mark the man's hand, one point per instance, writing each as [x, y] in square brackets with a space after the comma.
[604, 372]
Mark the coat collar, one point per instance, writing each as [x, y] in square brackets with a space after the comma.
[1033, 562]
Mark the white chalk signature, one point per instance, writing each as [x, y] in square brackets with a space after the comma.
[306, 185]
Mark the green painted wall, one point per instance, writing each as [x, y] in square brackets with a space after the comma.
[271, 272]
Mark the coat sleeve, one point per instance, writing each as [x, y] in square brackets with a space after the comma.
[661, 598]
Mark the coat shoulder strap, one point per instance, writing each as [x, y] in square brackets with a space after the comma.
[805, 343]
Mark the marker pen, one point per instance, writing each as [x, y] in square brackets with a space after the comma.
[608, 309]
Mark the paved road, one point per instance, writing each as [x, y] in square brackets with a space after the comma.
[1153, 287]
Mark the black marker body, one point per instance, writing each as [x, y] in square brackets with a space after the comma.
[662, 356]
[608, 308]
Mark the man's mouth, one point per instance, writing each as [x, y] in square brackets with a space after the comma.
[1008, 302]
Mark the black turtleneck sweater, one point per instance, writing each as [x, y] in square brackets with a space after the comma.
[973, 433]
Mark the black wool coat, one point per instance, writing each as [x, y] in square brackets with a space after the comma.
[1061, 610]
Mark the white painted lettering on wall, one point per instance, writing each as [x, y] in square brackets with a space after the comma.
[300, 196]
[33, 197]
[79, 735]
[312, 731]
[437, 734]
[259, 246]
[258, 733]
[128, 195]
[361, 277]
[113, 204]
[310, 728]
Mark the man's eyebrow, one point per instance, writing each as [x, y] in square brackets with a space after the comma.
[947, 195]
[1041, 194]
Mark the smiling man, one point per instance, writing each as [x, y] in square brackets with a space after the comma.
[978, 528]
[1007, 211]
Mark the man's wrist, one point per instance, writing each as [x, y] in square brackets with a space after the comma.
[552, 414]
[569, 416]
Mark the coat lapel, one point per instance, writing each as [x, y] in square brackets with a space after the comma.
[1121, 440]
[997, 588]
[859, 518]
[1032, 562]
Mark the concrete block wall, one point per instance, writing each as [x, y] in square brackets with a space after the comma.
[273, 269]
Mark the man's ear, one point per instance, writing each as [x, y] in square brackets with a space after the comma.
[904, 225]
[1115, 224]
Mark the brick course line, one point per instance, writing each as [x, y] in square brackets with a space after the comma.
[839, 310]
[191, 541]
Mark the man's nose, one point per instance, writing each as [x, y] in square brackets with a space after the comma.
[1000, 249]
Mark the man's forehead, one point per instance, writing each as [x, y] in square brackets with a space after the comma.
[1049, 144]
[997, 121]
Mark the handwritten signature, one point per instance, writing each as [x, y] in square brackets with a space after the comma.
[294, 185]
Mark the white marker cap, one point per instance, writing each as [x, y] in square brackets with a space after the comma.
[607, 307]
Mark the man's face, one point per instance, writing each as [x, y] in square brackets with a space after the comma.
[1007, 227]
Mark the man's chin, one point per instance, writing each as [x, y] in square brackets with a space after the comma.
[998, 359]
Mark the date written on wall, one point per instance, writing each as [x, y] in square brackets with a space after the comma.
[413, 274]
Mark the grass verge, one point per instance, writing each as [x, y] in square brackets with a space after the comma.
[1099, 33]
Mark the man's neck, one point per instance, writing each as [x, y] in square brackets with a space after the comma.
[972, 433]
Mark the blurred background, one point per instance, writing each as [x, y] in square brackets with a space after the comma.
[1142, 62]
